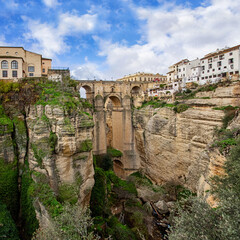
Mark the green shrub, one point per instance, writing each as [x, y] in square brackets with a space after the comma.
[68, 193]
[229, 115]
[114, 152]
[86, 146]
[104, 161]
[53, 141]
[98, 197]
[28, 216]
[73, 223]
[180, 108]
[9, 186]
[8, 228]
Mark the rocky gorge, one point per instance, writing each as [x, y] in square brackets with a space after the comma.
[46, 161]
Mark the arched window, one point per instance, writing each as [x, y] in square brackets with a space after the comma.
[4, 64]
[14, 64]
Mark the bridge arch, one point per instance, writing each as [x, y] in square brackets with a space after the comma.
[136, 90]
[88, 89]
[114, 99]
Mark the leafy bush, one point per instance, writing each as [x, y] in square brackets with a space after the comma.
[73, 223]
[104, 161]
[28, 216]
[9, 186]
[8, 228]
[114, 152]
[229, 115]
[98, 197]
[180, 108]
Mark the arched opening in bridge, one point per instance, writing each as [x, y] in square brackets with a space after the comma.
[114, 121]
[136, 90]
[86, 92]
[118, 168]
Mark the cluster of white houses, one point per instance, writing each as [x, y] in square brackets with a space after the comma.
[213, 67]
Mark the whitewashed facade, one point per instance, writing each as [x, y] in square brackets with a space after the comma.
[223, 63]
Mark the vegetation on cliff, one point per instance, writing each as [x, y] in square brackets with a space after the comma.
[115, 206]
[22, 188]
[8, 228]
[195, 219]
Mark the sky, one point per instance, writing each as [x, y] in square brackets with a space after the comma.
[108, 39]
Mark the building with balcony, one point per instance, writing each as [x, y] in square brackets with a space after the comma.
[16, 63]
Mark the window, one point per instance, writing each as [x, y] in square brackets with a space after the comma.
[202, 77]
[210, 76]
[210, 60]
[225, 66]
[237, 72]
[231, 66]
[202, 61]
[219, 68]
[231, 73]
[4, 64]
[210, 66]
[31, 69]
[230, 60]
[31, 74]
[213, 70]
[43, 70]
[230, 53]
[14, 64]
[208, 71]
[214, 76]
[219, 64]
[4, 73]
[203, 67]
[16, 53]
[221, 57]
[14, 73]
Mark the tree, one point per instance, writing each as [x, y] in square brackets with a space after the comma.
[73, 223]
[196, 220]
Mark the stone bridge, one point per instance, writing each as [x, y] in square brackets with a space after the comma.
[113, 103]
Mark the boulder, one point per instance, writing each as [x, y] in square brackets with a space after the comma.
[162, 206]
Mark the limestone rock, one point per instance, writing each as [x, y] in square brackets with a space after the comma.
[60, 148]
[162, 206]
[169, 144]
[148, 195]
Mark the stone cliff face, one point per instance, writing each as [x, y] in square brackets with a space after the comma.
[45, 151]
[169, 144]
[174, 147]
[60, 148]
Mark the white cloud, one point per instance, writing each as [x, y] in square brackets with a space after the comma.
[173, 32]
[87, 71]
[70, 23]
[50, 39]
[51, 3]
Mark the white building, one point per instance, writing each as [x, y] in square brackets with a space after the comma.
[223, 63]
